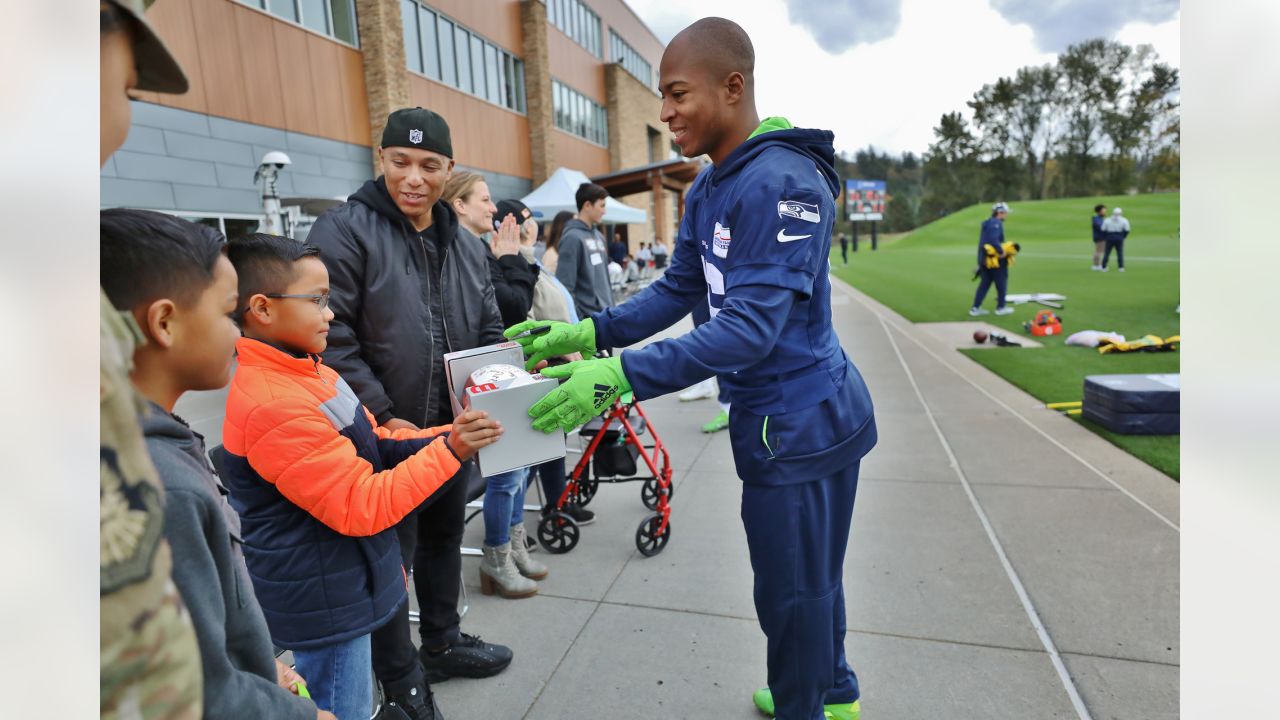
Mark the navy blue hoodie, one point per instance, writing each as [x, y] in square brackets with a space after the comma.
[754, 244]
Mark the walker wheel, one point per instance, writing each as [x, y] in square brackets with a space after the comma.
[649, 493]
[587, 488]
[558, 533]
[648, 541]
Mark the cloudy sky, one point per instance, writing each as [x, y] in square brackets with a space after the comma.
[881, 72]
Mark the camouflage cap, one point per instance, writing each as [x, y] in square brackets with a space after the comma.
[157, 70]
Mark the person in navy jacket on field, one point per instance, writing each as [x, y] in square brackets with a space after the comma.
[993, 265]
[753, 245]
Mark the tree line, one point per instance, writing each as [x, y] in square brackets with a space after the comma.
[1102, 119]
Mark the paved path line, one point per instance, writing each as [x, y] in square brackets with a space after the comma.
[1081, 711]
[1016, 414]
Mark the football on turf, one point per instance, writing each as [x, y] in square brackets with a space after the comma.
[979, 336]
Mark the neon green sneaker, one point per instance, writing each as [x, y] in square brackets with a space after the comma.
[763, 698]
[720, 423]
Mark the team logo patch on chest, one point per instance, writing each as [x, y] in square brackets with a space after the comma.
[803, 211]
[720, 241]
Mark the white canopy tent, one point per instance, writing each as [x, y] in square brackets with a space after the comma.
[557, 194]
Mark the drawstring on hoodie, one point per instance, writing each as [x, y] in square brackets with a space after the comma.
[315, 363]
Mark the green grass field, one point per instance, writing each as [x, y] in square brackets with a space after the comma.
[925, 276]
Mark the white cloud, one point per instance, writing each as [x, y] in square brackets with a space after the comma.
[888, 93]
[1059, 24]
[838, 25]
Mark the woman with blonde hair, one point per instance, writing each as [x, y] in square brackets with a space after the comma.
[506, 567]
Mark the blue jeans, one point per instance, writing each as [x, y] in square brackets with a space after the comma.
[503, 506]
[552, 476]
[339, 677]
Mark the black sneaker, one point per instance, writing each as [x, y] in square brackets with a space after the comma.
[580, 515]
[418, 704]
[468, 656]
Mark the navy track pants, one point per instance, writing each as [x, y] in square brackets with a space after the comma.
[797, 535]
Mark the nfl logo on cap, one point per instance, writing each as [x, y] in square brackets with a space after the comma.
[415, 136]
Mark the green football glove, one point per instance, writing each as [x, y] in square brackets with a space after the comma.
[561, 339]
[592, 387]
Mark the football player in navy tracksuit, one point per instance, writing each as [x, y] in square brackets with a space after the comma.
[992, 236]
[754, 245]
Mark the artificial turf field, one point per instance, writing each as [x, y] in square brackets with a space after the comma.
[925, 276]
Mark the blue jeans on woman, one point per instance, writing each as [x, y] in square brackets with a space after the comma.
[503, 506]
[339, 677]
[552, 476]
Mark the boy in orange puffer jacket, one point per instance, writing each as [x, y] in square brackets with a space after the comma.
[318, 485]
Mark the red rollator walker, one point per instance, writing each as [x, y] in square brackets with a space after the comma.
[613, 448]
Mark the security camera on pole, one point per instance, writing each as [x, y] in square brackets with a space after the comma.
[276, 221]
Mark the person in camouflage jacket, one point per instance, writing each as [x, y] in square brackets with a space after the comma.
[150, 663]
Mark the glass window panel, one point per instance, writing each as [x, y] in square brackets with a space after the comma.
[571, 104]
[462, 48]
[236, 227]
[409, 17]
[343, 14]
[448, 63]
[313, 15]
[430, 55]
[551, 13]
[575, 30]
[520, 86]
[491, 73]
[568, 108]
[508, 98]
[283, 8]
[477, 67]
[560, 105]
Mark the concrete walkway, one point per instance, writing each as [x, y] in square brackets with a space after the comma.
[1004, 563]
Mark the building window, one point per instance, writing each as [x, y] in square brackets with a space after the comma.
[577, 114]
[335, 18]
[578, 21]
[449, 53]
[230, 225]
[621, 52]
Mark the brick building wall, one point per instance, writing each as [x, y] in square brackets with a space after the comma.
[638, 137]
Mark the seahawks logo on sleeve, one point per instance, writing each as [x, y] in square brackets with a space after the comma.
[801, 211]
[796, 209]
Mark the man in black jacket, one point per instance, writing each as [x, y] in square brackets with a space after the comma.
[406, 287]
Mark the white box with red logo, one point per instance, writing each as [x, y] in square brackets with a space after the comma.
[506, 394]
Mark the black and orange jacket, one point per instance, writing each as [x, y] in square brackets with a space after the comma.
[319, 487]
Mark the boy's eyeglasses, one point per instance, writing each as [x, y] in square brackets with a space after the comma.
[320, 301]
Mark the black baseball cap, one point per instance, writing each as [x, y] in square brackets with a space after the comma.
[513, 207]
[417, 128]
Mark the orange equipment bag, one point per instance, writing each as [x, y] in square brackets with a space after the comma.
[1045, 323]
